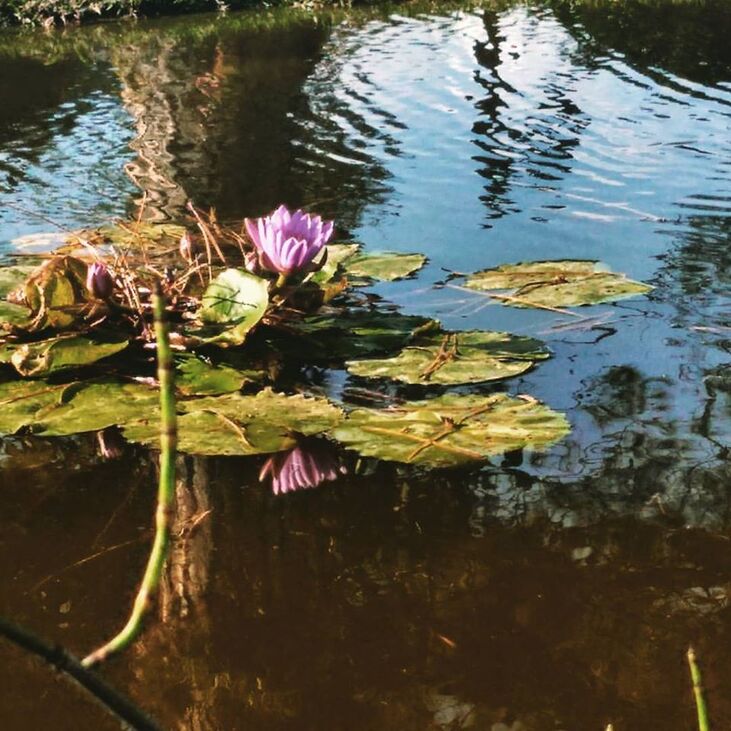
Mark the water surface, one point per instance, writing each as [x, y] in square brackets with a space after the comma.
[554, 591]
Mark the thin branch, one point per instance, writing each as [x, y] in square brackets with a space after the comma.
[165, 494]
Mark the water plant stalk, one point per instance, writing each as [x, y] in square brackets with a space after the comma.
[165, 493]
[700, 701]
[59, 658]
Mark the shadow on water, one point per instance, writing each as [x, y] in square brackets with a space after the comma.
[540, 592]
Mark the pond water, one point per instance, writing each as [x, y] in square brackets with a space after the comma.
[552, 591]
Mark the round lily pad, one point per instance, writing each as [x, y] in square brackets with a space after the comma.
[48, 356]
[452, 429]
[387, 266]
[237, 300]
[454, 358]
[237, 424]
[561, 283]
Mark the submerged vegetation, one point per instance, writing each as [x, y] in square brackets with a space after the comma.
[255, 308]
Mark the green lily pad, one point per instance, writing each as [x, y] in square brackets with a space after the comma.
[195, 377]
[561, 283]
[134, 233]
[236, 299]
[454, 358]
[13, 315]
[387, 266]
[60, 410]
[237, 424]
[352, 333]
[20, 401]
[336, 255]
[451, 430]
[55, 354]
[12, 278]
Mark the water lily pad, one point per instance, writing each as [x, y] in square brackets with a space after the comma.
[451, 430]
[336, 255]
[13, 315]
[240, 424]
[134, 233]
[63, 409]
[454, 358]
[236, 299]
[55, 292]
[11, 278]
[353, 333]
[196, 377]
[387, 266]
[561, 283]
[21, 400]
[55, 354]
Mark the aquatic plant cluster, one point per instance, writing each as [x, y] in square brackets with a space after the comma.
[252, 308]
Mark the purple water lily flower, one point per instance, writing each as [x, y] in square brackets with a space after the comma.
[287, 242]
[99, 281]
[305, 466]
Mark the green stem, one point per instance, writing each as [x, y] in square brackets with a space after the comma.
[281, 281]
[165, 493]
[700, 701]
[132, 716]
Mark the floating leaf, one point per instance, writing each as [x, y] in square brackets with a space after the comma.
[13, 315]
[55, 291]
[12, 278]
[237, 299]
[454, 358]
[63, 409]
[336, 255]
[387, 266]
[92, 406]
[20, 401]
[48, 356]
[556, 283]
[239, 424]
[451, 429]
[39, 242]
[353, 333]
[195, 377]
[134, 233]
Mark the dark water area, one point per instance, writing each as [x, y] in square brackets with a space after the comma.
[541, 591]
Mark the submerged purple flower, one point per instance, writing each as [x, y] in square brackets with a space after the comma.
[307, 465]
[287, 242]
[99, 281]
[111, 442]
[187, 248]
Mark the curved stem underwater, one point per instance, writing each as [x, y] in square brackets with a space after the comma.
[165, 493]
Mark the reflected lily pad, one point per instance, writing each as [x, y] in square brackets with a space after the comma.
[55, 354]
[237, 424]
[353, 333]
[451, 430]
[196, 377]
[387, 266]
[455, 358]
[236, 299]
[561, 283]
